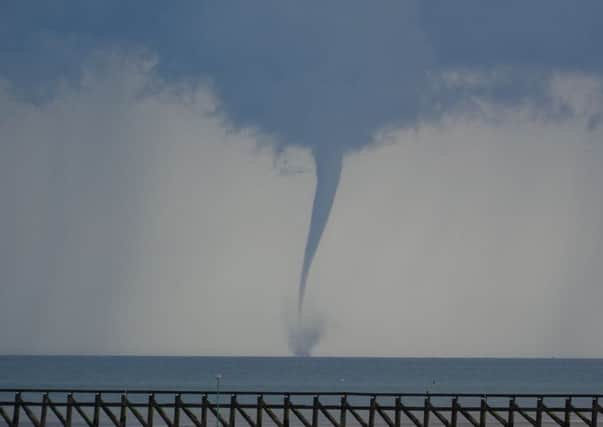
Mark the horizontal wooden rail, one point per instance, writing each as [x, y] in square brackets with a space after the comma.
[175, 408]
[295, 393]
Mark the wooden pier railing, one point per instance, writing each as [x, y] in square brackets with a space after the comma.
[93, 408]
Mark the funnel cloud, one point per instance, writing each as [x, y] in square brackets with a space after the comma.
[304, 336]
[328, 173]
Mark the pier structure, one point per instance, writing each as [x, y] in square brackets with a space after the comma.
[149, 408]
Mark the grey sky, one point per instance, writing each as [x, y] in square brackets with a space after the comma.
[149, 161]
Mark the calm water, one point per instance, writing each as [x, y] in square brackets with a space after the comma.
[307, 374]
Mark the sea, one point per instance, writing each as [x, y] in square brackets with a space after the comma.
[219, 377]
[316, 374]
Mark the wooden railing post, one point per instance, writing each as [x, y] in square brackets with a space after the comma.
[16, 409]
[286, 404]
[397, 412]
[150, 410]
[233, 411]
[260, 410]
[595, 412]
[511, 415]
[372, 410]
[371, 419]
[123, 410]
[204, 410]
[343, 411]
[177, 403]
[426, 410]
[315, 412]
[539, 412]
[69, 414]
[96, 414]
[482, 413]
[454, 412]
[43, 414]
[568, 412]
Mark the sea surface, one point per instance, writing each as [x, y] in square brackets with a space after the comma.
[395, 375]
[288, 374]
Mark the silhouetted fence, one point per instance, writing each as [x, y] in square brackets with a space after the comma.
[259, 409]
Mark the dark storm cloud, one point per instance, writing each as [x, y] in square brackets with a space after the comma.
[539, 34]
[315, 73]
